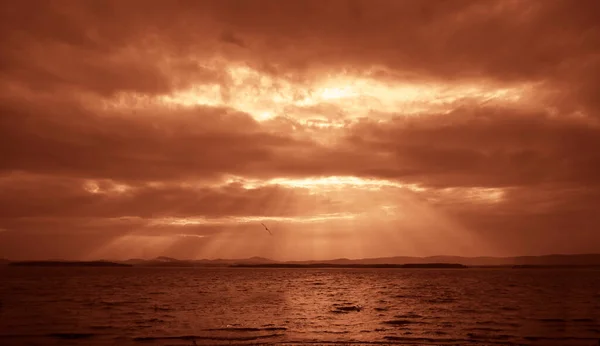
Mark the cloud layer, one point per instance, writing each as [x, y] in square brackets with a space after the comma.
[356, 128]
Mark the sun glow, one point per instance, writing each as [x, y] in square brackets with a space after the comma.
[325, 183]
[337, 93]
[405, 218]
[357, 210]
[350, 97]
[223, 221]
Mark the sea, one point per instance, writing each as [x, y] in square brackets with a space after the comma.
[298, 306]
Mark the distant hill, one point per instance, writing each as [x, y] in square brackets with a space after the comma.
[346, 265]
[553, 260]
[166, 259]
[134, 261]
[548, 260]
[381, 262]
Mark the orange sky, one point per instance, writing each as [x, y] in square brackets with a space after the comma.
[351, 128]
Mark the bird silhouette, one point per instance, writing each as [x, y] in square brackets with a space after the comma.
[267, 228]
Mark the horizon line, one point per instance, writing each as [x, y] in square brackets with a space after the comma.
[298, 260]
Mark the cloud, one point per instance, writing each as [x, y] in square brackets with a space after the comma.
[490, 147]
[138, 45]
[480, 114]
[472, 146]
[53, 137]
[48, 197]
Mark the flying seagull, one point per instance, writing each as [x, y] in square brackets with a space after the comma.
[267, 228]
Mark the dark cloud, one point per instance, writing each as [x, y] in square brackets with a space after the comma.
[54, 137]
[487, 147]
[230, 37]
[35, 196]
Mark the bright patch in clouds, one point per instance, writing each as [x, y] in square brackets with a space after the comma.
[470, 195]
[265, 97]
[96, 187]
[189, 235]
[324, 183]
[233, 221]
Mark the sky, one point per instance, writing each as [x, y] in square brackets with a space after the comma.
[350, 128]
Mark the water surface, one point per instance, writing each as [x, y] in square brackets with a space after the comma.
[183, 306]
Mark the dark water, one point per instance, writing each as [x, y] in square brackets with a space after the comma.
[169, 306]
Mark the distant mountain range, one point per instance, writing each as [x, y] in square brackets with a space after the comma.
[439, 261]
